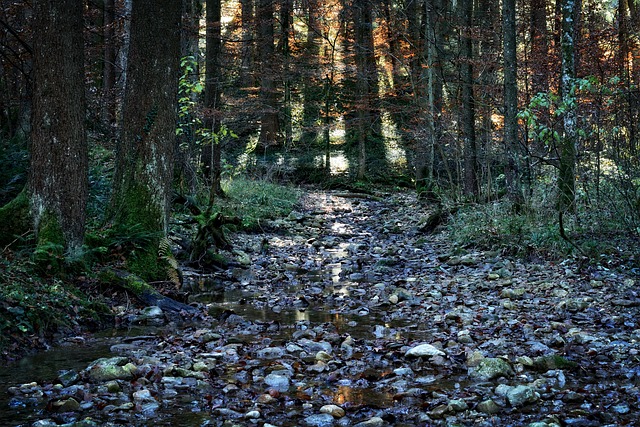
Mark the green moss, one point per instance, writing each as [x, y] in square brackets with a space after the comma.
[15, 219]
[140, 211]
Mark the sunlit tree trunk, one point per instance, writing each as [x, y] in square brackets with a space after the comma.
[361, 23]
[512, 146]
[144, 157]
[58, 180]
[567, 148]
[269, 117]
[467, 100]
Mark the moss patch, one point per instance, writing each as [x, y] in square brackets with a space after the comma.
[15, 220]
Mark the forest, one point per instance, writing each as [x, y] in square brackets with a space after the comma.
[319, 213]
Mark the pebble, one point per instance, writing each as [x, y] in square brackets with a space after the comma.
[333, 410]
[424, 350]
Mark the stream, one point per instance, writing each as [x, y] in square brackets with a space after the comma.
[352, 317]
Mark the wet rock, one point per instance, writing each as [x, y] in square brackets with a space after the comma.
[112, 386]
[489, 407]
[200, 367]
[439, 411]
[278, 380]
[270, 353]
[252, 415]
[518, 395]
[372, 422]
[228, 413]
[67, 405]
[44, 423]
[152, 315]
[115, 368]
[333, 410]
[457, 405]
[143, 395]
[424, 350]
[552, 361]
[68, 377]
[319, 420]
[490, 368]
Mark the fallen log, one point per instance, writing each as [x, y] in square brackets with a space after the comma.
[143, 291]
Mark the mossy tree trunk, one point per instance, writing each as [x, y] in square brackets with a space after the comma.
[58, 181]
[567, 149]
[144, 158]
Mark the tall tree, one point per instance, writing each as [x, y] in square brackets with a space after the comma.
[212, 95]
[312, 86]
[468, 113]
[109, 65]
[286, 28]
[539, 47]
[247, 49]
[58, 181]
[567, 149]
[269, 117]
[366, 80]
[144, 157]
[512, 146]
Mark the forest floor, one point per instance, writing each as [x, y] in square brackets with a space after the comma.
[345, 314]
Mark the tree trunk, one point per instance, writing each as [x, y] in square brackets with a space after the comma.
[269, 126]
[144, 157]
[312, 88]
[109, 65]
[58, 181]
[212, 97]
[246, 68]
[467, 102]
[567, 149]
[286, 8]
[512, 147]
[539, 47]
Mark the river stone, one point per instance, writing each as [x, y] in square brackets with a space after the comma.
[319, 420]
[270, 353]
[44, 423]
[490, 368]
[112, 386]
[278, 381]
[423, 350]
[68, 377]
[552, 361]
[457, 405]
[67, 405]
[107, 369]
[333, 410]
[323, 356]
[518, 395]
[372, 422]
[488, 407]
[252, 415]
[143, 395]
[200, 367]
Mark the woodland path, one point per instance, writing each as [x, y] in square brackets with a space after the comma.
[345, 314]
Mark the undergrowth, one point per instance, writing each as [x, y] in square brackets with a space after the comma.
[33, 307]
[595, 233]
[257, 200]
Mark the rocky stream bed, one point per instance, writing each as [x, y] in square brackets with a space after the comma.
[345, 314]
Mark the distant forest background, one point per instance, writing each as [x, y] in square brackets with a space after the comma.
[521, 117]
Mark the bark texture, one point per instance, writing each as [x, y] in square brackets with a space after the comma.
[58, 181]
[144, 160]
